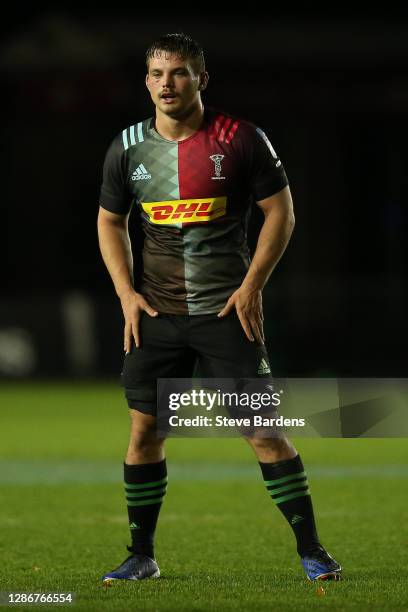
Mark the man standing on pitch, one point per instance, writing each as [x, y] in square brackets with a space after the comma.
[192, 173]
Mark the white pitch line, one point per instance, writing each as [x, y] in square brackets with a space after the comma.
[20, 472]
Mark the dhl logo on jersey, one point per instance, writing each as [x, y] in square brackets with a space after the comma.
[185, 211]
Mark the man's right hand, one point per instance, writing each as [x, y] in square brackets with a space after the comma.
[133, 304]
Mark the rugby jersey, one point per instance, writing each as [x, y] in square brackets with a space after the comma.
[194, 197]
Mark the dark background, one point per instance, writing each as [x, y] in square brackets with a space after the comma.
[331, 92]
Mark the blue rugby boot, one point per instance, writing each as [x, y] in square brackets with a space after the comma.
[135, 567]
[319, 565]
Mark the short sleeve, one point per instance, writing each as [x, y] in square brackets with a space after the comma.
[114, 194]
[267, 174]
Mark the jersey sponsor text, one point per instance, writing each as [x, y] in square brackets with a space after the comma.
[185, 211]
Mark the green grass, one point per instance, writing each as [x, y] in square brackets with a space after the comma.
[221, 543]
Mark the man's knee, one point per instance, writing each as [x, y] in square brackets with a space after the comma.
[143, 433]
[272, 449]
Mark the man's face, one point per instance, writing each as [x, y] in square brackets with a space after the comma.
[173, 84]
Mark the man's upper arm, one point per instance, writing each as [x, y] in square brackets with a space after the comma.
[115, 218]
[267, 175]
[114, 195]
[279, 202]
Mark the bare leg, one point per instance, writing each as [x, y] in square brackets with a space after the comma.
[271, 450]
[144, 445]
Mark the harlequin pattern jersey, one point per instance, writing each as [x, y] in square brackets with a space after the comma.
[194, 197]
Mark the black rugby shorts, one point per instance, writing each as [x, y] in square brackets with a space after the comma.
[171, 345]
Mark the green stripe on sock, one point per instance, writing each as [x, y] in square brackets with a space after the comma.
[273, 483]
[145, 502]
[146, 485]
[288, 487]
[280, 500]
[146, 493]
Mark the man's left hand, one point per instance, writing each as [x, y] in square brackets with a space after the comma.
[248, 304]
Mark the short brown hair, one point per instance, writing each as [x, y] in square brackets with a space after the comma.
[178, 44]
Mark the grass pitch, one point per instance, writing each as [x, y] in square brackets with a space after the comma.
[222, 545]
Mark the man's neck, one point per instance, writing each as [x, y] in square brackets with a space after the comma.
[172, 128]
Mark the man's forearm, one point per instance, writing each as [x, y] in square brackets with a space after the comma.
[114, 243]
[272, 242]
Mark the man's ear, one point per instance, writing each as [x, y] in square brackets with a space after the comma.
[204, 76]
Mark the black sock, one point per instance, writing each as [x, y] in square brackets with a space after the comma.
[145, 487]
[286, 482]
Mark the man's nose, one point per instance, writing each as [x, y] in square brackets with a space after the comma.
[168, 80]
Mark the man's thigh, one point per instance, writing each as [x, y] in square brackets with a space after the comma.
[163, 353]
[224, 351]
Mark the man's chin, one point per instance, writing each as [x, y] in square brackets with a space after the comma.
[172, 110]
[177, 110]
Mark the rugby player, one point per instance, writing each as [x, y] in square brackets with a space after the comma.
[192, 172]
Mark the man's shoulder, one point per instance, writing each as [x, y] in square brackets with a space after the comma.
[226, 125]
[132, 136]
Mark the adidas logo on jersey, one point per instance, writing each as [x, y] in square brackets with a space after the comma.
[141, 174]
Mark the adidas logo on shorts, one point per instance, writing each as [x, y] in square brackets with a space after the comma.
[263, 367]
